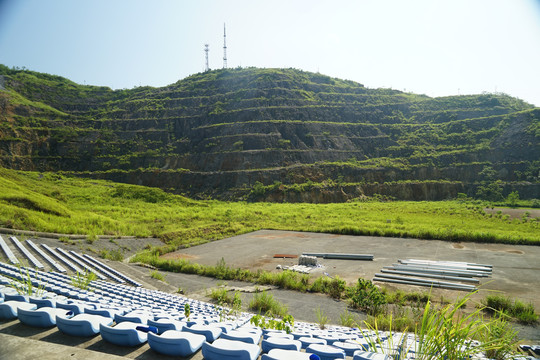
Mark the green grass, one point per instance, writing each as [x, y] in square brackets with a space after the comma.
[513, 308]
[54, 203]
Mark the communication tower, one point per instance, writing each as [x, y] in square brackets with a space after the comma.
[206, 53]
[224, 47]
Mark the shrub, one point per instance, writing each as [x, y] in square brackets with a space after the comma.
[367, 297]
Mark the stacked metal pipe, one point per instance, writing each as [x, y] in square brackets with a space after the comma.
[431, 273]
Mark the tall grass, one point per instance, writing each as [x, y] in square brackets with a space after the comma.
[447, 333]
[54, 203]
[265, 304]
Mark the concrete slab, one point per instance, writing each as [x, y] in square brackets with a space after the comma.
[515, 267]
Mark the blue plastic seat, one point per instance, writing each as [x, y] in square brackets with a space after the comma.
[367, 355]
[210, 332]
[42, 317]
[280, 343]
[326, 352]
[82, 324]
[107, 312]
[8, 309]
[42, 302]
[175, 343]
[123, 334]
[244, 336]
[165, 324]
[350, 347]
[136, 316]
[76, 308]
[15, 297]
[223, 349]
[306, 341]
[280, 354]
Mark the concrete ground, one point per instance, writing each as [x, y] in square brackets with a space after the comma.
[516, 268]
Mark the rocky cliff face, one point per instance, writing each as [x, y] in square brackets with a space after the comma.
[223, 132]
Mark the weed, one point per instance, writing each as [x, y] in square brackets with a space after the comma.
[446, 333]
[322, 319]
[115, 255]
[286, 323]
[501, 332]
[82, 281]
[157, 275]
[66, 240]
[24, 284]
[264, 303]
[347, 319]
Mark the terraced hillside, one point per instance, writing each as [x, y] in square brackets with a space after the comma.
[272, 134]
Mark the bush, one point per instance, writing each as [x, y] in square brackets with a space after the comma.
[367, 297]
[335, 287]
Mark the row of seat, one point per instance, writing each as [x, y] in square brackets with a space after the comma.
[79, 263]
[130, 316]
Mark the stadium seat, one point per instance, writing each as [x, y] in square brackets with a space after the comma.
[82, 324]
[223, 349]
[175, 343]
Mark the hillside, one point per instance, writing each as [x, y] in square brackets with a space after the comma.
[272, 134]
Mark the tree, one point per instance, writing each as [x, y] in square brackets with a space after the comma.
[512, 199]
[491, 191]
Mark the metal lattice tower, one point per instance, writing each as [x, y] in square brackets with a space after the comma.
[224, 47]
[206, 51]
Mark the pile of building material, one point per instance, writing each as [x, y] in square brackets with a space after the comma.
[305, 265]
[298, 268]
[341, 256]
[307, 260]
[421, 272]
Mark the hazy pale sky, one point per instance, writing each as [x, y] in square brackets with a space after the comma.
[432, 47]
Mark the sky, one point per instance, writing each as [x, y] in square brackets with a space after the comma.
[432, 47]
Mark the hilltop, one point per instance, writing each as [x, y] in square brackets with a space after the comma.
[274, 135]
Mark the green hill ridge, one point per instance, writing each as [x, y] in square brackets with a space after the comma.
[274, 135]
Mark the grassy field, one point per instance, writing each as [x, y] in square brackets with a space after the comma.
[53, 203]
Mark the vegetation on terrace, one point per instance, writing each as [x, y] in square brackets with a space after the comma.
[263, 121]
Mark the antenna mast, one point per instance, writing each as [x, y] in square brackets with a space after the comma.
[224, 47]
[206, 51]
